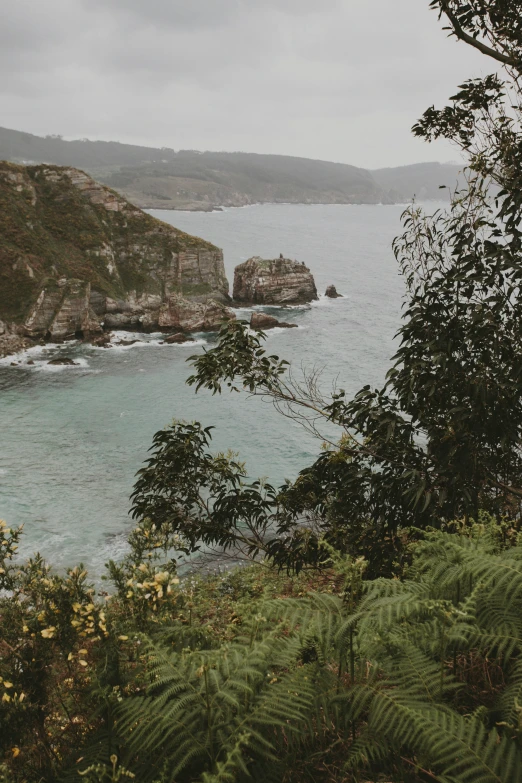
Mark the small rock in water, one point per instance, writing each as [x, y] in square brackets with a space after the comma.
[178, 338]
[63, 360]
[127, 342]
[331, 292]
[103, 340]
[264, 321]
[30, 361]
[14, 364]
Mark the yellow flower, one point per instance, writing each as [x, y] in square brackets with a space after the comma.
[8, 684]
[6, 697]
[48, 633]
[25, 629]
[83, 652]
[83, 663]
[16, 752]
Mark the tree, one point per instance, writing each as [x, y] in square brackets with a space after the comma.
[442, 438]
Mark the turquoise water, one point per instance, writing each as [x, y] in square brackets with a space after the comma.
[72, 438]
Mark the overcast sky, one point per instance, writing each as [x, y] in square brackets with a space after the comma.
[339, 80]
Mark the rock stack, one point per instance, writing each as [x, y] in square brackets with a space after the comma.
[331, 293]
[277, 281]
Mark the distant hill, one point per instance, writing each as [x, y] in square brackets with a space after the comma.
[188, 179]
[20, 147]
[421, 180]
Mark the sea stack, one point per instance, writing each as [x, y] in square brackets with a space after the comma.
[331, 293]
[276, 281]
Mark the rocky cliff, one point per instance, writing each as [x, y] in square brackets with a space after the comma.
[75, 257]
[277, 281]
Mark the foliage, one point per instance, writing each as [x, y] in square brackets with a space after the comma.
[255, 676]
[441, 439]
[404, 660]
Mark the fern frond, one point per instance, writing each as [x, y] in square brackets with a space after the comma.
[458, 748]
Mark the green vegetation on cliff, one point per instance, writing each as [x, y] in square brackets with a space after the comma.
[58, 223]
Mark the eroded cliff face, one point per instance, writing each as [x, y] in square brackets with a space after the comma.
[75, 257]
[277, 281]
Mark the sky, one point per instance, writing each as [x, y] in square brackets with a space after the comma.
[340, 80]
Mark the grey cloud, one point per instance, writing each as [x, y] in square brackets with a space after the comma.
[195, 13]
[340, 79]
[207, 13]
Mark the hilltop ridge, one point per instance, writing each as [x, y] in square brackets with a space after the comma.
[161, 178]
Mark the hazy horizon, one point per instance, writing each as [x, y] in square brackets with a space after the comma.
[342, 83]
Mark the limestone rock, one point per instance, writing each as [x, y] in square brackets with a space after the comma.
[62, 310]
[13, 343]
[263, 321]
[190, 316]
[331, 292]
[101, 340]
[277, 281]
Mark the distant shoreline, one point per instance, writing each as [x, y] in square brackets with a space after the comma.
[224, 208]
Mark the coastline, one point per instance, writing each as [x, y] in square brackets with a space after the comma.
[226, 207]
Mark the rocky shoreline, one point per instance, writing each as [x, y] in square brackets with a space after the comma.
[78, 261]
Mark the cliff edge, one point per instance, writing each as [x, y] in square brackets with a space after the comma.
[76, 257]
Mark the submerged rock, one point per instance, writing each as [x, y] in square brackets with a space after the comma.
[276, 281]
[263, 321]
[63, 360]
[172, 339]
[127, 342]
[331, 292]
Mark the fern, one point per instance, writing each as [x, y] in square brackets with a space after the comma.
[202, 706]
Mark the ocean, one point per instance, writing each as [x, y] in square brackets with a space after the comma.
[72, 438]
